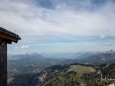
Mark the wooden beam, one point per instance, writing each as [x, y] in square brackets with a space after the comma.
[2, 43]
[8, 37]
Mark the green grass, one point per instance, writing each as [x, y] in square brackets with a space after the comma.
[81, 69]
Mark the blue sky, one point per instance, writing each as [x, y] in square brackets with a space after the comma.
[59, 26]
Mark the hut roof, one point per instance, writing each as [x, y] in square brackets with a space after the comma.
[8, 36]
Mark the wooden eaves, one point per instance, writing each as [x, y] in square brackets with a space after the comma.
[8, 36]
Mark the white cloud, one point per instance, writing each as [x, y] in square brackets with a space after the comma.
[33, 22]
[24, 46]
[109, 44]
[16, 48]
[103, 36]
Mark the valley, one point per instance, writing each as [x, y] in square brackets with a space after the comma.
[32, 70]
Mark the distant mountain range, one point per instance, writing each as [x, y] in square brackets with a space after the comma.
[36, 62]
[25, 56]
[77, 56]
[99, 58]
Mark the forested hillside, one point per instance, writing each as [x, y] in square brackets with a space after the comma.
[69, 75]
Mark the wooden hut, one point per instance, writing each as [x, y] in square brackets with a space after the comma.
[6, 37]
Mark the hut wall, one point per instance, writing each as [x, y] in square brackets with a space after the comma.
[3, 65]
